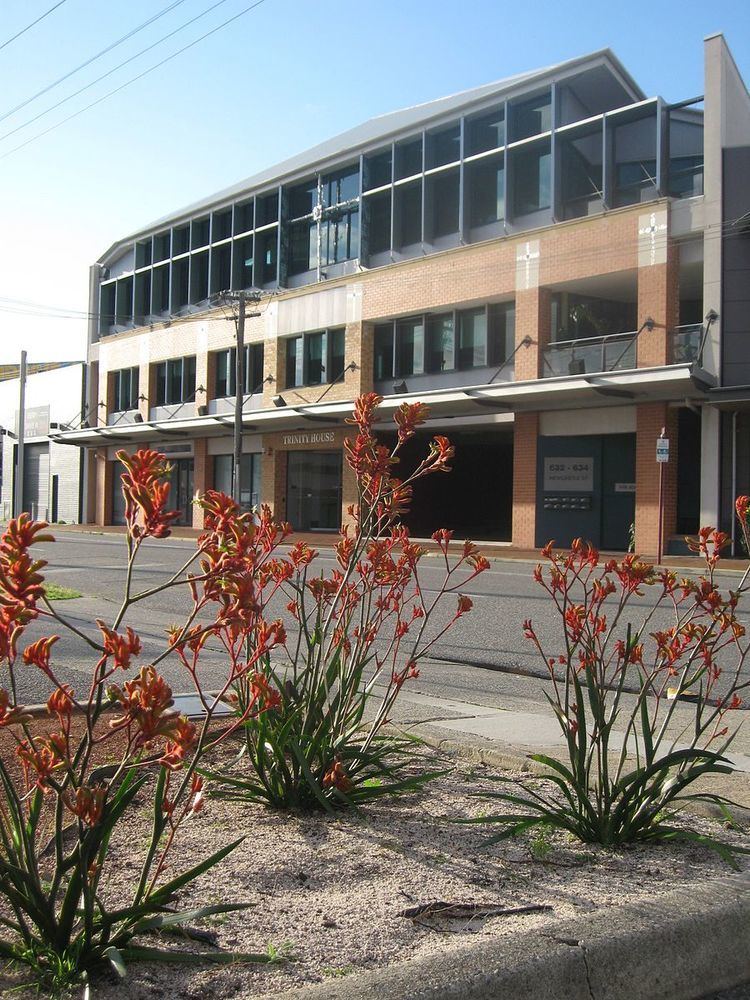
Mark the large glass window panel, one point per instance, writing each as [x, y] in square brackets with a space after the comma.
[125, 390]
[408, 214]
[221, 268]
[267, 255]
[341, 187]
[161, 384]
[314, 490]
[243, 216]
[294, 362]
[143, 252]
[378, 209]
[410, 347]
[336, 351]
[250, 481]
[303, 247]
[409, 158]
[444, 146]
[581, 173]
[485, 132]
[199, 277]
[383, 354]
[440, 352]
[442, 204]
[174, 381]
[531, 117]
[378, 169]
[501, 332]
[303, 198]
[253, 368]
[472, 338]
[160, 290]
[315, 358]
[223, 466]
[485, 183]
[124, 305]
[267, 209]
[634, 146]
[199, 230]
[162, 242]
[224, 374]
[243, 263]
[685, 157]
[180, 283]
[221, 225]
[531, 179]
[180, 239]
[142, 295]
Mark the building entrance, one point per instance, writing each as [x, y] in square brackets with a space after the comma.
[313, 496]
[182, 489]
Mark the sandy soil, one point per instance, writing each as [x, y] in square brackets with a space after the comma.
[327, 891]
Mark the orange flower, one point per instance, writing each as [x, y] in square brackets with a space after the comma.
[336, 777]
[10, 715]
[146, 490]
[465, 604]
[60, 702]
[88, 803]
[146, 701]
[38, 653]
[408, 417]
[183, 737]
[120, 647]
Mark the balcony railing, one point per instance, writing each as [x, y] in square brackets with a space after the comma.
[686, 343]
[591, 354]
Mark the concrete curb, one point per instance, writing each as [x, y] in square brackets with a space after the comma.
[681, 946]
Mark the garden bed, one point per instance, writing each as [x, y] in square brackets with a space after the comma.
[327, 891]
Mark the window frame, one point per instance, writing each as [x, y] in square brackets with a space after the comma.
[299, 361]
[174, 371]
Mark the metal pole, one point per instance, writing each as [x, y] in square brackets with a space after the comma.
[239, 399]
[660, 544]
[18, 504]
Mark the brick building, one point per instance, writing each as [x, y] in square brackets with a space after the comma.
[556, 263]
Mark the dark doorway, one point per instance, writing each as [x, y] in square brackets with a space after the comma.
[688, 472]
[182, 489]
[313, 497]
[475, 500]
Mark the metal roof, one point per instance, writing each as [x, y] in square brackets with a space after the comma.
[385, 126]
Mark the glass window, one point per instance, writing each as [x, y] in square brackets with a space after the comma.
[341, 187]
[124, 300]
[199, 277]
[485, 132]
[532, 176]
[685, 157]
[315, 358]
[221, 226]
[383, 364]
[267, 209]
[224, 374]
[444, 146]
[472, 338]
[243, 263]
[531, 117]
[581, 174]
[249, 478]
[175, 381]
[160, 290]
[294, 362]
[161, 246]
[243, 216]
[267, 256]
[378, 169]
[226, 362]
[410, 347]
[303, 198]
[485, 182]
[409, 158]
[442, 204]
[378, 209]
[408, 220]
[199, 231]
[336, 351]
[440, 354]
[143, 253]
[180, 283]
[221, 268]
[180, 240]
[254, 358]
[303, 247]
[501, 332]
[223, 466]
[125, 390]
[635, 161]
[142, 296]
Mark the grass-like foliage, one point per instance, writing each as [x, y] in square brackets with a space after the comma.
[56, 592]
[621, 689]
[356, 635]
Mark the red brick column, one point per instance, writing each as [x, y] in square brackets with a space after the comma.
[525, 434]
[651, 418]
[103, 488]
[659, 298]
[202, 476]
[533, 319]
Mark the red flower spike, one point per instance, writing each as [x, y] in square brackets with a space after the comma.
[11, 715]
[38, 653]
[120, 647]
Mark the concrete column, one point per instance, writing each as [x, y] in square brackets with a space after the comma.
[525, 434]
[710, 471]
[650, 419]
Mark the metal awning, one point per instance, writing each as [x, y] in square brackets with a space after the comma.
[639, 385]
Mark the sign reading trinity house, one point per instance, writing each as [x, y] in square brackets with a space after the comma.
[314, 437]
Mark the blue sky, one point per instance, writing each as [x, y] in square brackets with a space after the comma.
[278, 79]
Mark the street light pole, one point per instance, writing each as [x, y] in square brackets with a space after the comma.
[18, 498]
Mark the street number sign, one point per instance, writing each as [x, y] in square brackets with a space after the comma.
[662, 450]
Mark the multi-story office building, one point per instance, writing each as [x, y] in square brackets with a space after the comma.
[556, 263]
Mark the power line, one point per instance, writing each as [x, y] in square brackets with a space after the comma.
[29, 26]
[133, 79]
[125, 62]
[93, 58]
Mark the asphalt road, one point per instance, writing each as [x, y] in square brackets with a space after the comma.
[491, 636]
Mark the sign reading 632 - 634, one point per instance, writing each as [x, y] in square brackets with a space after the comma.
[569, 475]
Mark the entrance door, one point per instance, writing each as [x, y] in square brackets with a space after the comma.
[618, 491]
[182, 491]
[313, 495]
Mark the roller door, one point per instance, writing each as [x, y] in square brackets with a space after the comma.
[36, 480]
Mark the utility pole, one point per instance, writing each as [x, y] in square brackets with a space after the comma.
[18, 504]
[239, 399]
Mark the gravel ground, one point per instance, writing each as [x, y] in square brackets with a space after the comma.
[327, 891]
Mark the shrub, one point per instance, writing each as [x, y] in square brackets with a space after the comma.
[359, 633]
[63, 796]
[617, 787]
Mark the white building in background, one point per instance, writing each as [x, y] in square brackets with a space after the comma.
[53, 478]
